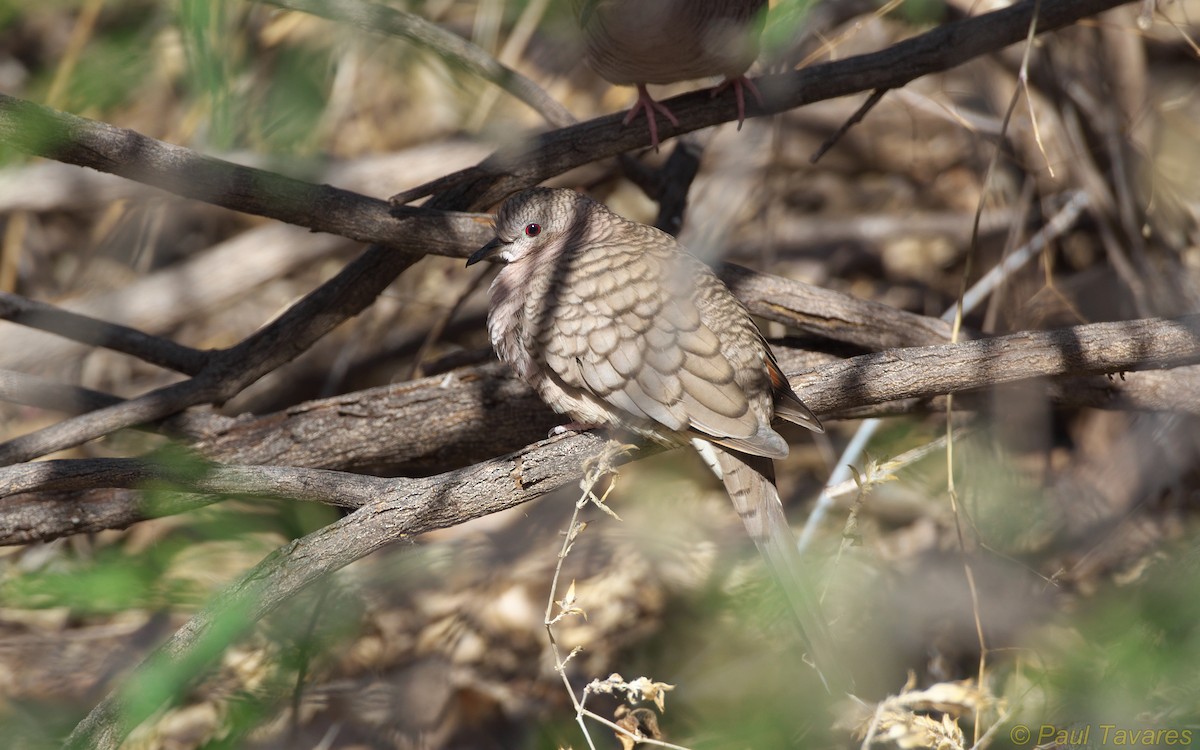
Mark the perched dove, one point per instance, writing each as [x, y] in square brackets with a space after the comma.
[636, 42]
[614, 323]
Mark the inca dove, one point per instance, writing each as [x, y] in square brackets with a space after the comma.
[663, 41]
[614, 323]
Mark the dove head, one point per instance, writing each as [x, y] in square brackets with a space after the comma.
[539, 222]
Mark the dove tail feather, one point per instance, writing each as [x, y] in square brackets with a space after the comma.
[750, 482]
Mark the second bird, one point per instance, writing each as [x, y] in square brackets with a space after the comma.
[636, 42]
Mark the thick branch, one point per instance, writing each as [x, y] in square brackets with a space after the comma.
[921, 372]
[914, 373]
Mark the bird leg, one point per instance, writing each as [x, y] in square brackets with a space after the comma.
[571, 427]
[647, 103]
[739, 84]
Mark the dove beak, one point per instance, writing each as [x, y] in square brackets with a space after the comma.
[484, 252]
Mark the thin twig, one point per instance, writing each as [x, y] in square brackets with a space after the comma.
[30, 390]
[337, 488]
[867, 105]
[951, 491]
[462, 53]
[596, 471]
[512, 50]
[574, 528]
[153, 349]
[439, 325]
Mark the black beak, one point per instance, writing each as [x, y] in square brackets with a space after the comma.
[483, 252]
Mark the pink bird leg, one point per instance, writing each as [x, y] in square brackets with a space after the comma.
[647, 103]
[739, 84]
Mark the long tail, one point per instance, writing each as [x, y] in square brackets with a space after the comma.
[750, 482]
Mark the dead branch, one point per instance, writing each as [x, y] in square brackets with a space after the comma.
[421, 426]
[228, 371]
[63, 137]
[42, 131]
[919, 372]
[225, 271]
[913, 373]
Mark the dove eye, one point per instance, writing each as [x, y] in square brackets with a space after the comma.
[533, 230]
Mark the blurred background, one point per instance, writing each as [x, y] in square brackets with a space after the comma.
[1045, 573]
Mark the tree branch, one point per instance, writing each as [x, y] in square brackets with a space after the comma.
[75, 140]
[56, 135]
[337, 488]
[81, 328]
[942, 48]
[228, 371]
[30, 390]
[913, 373]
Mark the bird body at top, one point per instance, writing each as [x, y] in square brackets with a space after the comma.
[636, 42]
[613, 323]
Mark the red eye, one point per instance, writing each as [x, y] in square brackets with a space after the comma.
[533, 230]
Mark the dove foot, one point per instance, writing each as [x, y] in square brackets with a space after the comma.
[740, 85]
[647, 104]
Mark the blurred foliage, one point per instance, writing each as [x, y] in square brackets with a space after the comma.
[172, 575]
[784, 19]
[1124, 658]
[246, 91]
